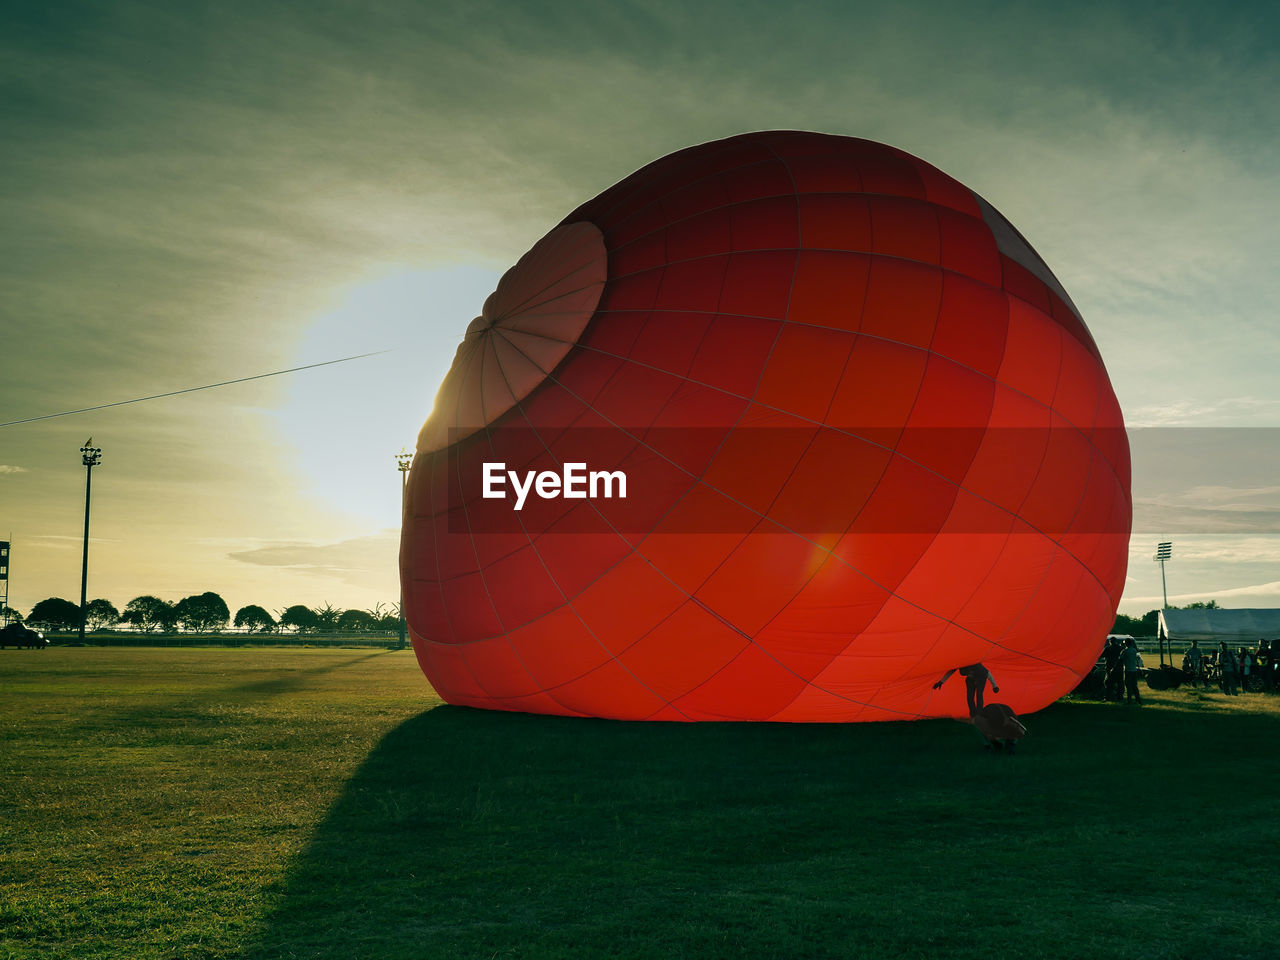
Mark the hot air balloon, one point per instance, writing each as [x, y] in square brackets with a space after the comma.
[780, 427]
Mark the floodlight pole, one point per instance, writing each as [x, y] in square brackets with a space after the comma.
[404, 460]
[1164, 551]
[1164, 592]
[90, 456]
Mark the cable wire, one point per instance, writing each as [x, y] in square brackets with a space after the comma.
[207, 386]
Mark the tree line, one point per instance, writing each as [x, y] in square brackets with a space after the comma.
[208, 613]
[1147, 625]
[205, 613]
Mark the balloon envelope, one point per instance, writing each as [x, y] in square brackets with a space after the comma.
[801, 423]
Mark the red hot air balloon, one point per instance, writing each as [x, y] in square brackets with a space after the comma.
[780, 427]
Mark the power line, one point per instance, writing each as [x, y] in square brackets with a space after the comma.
[207, 386]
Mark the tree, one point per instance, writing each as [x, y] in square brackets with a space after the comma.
[1148, 624]
[356, 621]
[100, 613]
[55, 613]
[386, 617]
[255, 618]
[202, 614]
[300, 618]
[149, 613]
[327, 617]
[1143, 626]
[10, 615]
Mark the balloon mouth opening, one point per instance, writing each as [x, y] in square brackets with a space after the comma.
[529, 324]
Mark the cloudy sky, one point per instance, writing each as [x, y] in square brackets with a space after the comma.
[192, 193]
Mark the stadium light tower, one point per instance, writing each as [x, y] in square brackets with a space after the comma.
[404, 460]
[1163, 552]
[91, 456]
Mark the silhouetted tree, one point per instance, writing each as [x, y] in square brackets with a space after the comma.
[255, 618]
[1143, 626]
[353, 620]
[1149, 623]
[10, 615]
[300, 617]
[100, 613]
[55, 613]
[149, 613]
[203, 613]
[386, 617]
[327, 617]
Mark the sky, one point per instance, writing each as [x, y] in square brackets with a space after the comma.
[193, 193]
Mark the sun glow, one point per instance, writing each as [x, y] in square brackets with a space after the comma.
[344, 424]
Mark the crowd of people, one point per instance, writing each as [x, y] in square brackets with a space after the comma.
[1243, 669]
[1233, 670]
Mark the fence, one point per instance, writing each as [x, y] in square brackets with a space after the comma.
[229, 639]
[232, 638]
[1178, 647]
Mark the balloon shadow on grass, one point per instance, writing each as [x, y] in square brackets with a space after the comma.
[468, 833]
[476, 833]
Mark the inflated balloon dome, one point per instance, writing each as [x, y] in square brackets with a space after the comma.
[780, 427]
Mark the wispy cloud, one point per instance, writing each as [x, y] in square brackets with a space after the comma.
[1259, 594]
[1173, 521]
[6, 468]
[1210, 509]
[54, 541]
[356, 561]
[1228, 550]
[1207, 480]
[1243, 411]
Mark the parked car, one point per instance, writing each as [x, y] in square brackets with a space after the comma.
[18, 635]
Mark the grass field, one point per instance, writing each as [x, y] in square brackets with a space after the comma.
[271, 803]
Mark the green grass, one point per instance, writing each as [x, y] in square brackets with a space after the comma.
[321, 803]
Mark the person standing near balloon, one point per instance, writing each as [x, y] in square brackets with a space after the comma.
[995, 721]
[1244, 656]
[975, 676]
[1131, 660]
[1113, 682]
[1263, 658]
[1193, 663]
[1229, 667]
